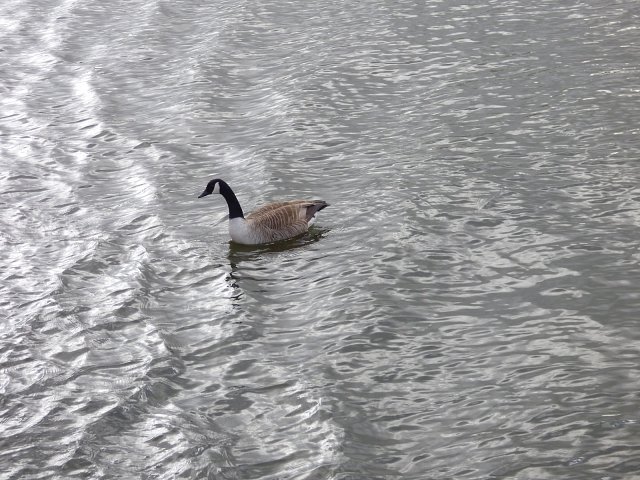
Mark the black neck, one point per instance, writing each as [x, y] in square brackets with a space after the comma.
[235, 210]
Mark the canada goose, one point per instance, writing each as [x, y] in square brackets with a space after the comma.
[270, 223]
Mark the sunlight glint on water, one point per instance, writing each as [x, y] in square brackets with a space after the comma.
[466, 308]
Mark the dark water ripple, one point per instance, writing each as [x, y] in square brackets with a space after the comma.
[466, 308]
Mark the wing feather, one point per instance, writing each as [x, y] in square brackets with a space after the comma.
[282, 220]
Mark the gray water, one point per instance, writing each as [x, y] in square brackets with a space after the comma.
[466, 308]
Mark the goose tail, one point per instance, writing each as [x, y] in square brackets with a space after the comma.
[314, 207]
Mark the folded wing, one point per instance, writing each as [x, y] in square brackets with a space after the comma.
[282, 220]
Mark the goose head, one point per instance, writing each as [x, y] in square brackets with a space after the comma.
[214, 186]
[220, 186]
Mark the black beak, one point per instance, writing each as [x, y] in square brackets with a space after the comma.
[203, 194]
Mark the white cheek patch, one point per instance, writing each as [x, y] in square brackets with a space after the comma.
[216, 188]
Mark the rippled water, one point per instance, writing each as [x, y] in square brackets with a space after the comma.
[466, 308]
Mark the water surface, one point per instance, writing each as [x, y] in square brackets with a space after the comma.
[465, 309]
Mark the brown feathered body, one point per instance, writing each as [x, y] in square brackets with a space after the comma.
[276, 221]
